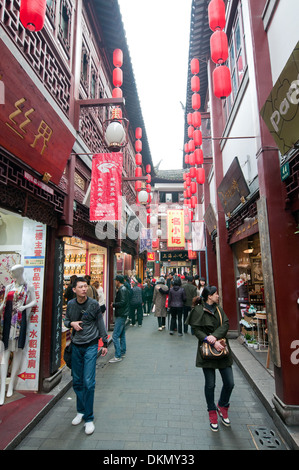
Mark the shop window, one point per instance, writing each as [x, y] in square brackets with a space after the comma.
[237, 58]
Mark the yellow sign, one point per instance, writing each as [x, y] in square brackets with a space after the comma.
[175, 229]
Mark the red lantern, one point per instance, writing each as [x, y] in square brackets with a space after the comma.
[117, 58]
[186, 147]
[188, 192]
[191, 159]
[195, 83]
[191, 145]
[138, 159]
[185, 185]
[222, 82]
[148, 168]
[32, 14]
[189, 118]
[193, 201]
[148, 188]
[188, 180]
[138, 185]
[117, 77]
[117, 93]
[216, 13]
[196, 119]
[185, 194]
[194, 66]
[184, 176]
[193, 187]
[219, 47]
[192, 172]
[138, 172]
[196, 101]
[200, 175]
[148, 219]
[148, 210]
[198, 154]
[197, 138]
[138, 145]
[138, 133]
[190, 132]
[187, 158]
[148, 178]
[191, 215]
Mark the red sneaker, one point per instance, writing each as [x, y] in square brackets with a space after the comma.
[223, 413]
[213, 420]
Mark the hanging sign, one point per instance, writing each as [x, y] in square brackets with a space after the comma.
[198, 236]
[191, 254]
[233, 189]
[175, 228]
[105, 190]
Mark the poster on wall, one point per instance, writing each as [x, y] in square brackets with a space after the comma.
[175, 229]
[106, 187]
[33, 260]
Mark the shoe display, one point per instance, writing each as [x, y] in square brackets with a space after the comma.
[213, 420]
[115, 359]
[89, 427]
[77, 419]
[223, 413]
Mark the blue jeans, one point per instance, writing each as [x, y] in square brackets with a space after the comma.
[227, 388]
[119, 336]
[84, 374]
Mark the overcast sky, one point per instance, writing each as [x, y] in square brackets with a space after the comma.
[157, 33]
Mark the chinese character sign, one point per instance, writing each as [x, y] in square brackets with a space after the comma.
[105, 191]
[33, 260]
[175, 229]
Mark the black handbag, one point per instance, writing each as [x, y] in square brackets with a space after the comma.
[209, 352]
[67, 355]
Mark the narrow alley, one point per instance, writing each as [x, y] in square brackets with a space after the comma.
[154, 400]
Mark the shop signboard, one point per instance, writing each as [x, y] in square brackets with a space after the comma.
[33, 260]
[175, 228]
[30, 128]
[169, 256]
[233, 189]
[210, 219]
[191, 253]
[57, 306]
[198, 236]
[106, 190]
[281, 111]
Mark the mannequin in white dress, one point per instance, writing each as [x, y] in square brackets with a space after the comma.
[19, 298]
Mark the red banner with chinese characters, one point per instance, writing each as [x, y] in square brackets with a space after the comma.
[105, 191]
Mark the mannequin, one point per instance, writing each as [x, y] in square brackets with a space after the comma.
[19, 297]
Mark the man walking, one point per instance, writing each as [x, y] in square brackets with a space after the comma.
[122, 310]
[84, 315]
[191, 292]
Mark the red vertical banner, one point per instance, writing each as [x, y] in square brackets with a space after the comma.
[105, 191]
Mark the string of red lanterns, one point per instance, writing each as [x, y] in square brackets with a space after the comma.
[32, 14]
[219, 49]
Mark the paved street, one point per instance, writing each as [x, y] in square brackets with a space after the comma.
[153, 400]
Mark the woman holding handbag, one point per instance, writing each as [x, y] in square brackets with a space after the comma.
[210, 325]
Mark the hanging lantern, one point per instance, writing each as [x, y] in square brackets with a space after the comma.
[185, 194]
[216, 13]
[219, 47]
[185, 185]
[148, 168]
[148, 210]
[148, 178]
[138, 159]
[187, 158]
[186, 147]
[196, 119]
[195, 83]
[148, 219]
[138, 185]
[191, 215]
[153, 219]
[196, 101]
[138, 172]
[188, 179]
[192, 173]
[117, 77]
[32, 14]
[138, 145]
[198, 154]
[148, 188]
[191, 145]
[191, 159]
[189, 118]
[200, 175]
[117, 58]
[222, 82]
[117, 93]
[197, 137]
[188, 192]
[115, 136]
[184, 176]
[143, 196]
[138, 133]
[193, 187]
[194, 66]
[193, 202]
[190, 132]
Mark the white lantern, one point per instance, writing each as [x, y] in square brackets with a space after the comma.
[142, 196]
[115, 135]
[154, 220]
[159, 232]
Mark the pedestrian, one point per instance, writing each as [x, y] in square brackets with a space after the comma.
[101, 297]
[147, 295]
[177, 297]
[202, 284]
[136, 305]
[122, 310]
[207, 325]
[191, 293]
[69, 293]
[91, 290]
[84, 316]
[159, 299]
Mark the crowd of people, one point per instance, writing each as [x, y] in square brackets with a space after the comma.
[188, 301]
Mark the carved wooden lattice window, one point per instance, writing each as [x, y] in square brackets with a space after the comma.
[85, 58]
[65, 23]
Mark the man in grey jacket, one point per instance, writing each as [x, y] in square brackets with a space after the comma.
[84, 315]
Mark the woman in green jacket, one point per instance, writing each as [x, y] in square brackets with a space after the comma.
[207, 325]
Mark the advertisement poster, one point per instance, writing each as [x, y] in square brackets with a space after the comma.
[33, 260]
[175, 229]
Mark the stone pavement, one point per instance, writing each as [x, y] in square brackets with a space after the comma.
[154, 400]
